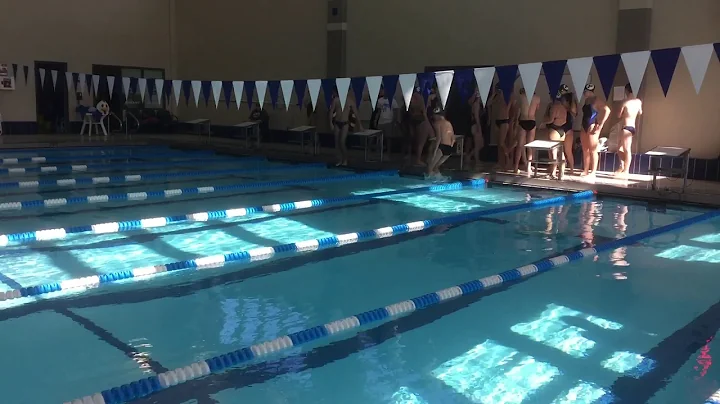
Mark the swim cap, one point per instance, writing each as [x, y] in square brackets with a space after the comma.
[522, 90]
[417, 89]
[590, 87]
[438, 110]
[564, 88]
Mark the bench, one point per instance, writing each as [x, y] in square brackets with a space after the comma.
[536, 146]
[312, 132]
[669, 151]
[199, 124]
[368, 134]
[248, 129]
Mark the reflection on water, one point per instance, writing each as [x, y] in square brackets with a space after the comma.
[691, 254]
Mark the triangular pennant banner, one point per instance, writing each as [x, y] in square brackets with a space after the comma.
[89, 83]
[261, 87]
[76, 80]
[111, 85]
[328, 86]
[250, 93]
[373, 85]
[227, 92]
[697, 58]
[177, 89]
[529, 74]
[159, 88]
[554, 71]
[150, 88]
[126, 86]
[464, 82]
[196, 89]
[407, 86]
[187, 90]
[41, 72]
[15, 69]
[205, 89]
[54, 74]
[313, 86]
[82, 82]
[26, 71]
[390, 83]
[444, 80]
[484, 78]
[343, 86]
[358, 86]
[506, 80]
[300, 86]
[717, 49]
[142, 87]
[274, 91]
[606, 67]
[96, 83]
[216, 89]
[287, 87]
[579, 73]
[168, 90]
[426, 81]
[635, 66]
[238, 90]
[69, 79]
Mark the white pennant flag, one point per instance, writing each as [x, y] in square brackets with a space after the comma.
[111, 85]
[407, 86]
[444, 81]
[373, 84]
[314, 89]
[697, 58]
[42, 77]
[196, 87]
[287, 87]
[261, 88]
[53, 74]
[159, 88]
[81, 82]
[484, 78]
[70, 82]
[579, 73]
[142, 86]
[96, 82]
[529, 74]
[177, 87]
[238, 88]
[635, 65]
[343, 86]
[217, 88]
[126, 86]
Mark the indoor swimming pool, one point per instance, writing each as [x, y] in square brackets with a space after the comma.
[153, 275]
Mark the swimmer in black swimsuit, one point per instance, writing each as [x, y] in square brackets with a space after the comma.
[339, 119]
[445, 142]
[631, 109]
[569, 142]
[476, 127]
[420, 127]
[595, 113]
[556, 119]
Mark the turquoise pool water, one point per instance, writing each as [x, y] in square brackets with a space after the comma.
[632, 326]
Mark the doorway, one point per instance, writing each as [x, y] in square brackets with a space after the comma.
[51, 100]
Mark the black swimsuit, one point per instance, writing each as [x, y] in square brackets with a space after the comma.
[527, 124]
[630, 129]
[589, 116]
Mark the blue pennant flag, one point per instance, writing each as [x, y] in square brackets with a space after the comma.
[717, 49]
[274, 88]
[554, 71]
[227, 87]
[15, 68]
[390, 83]
[328, 86]
[89, 83]
[167, 87]
[665, 61]
[426, 81]
[506, 80]
[206, 90]
[607, 67]
[464, 81]
[358, 86]
[26, 71]
[249, 93]
[300, 87]
[76, 80]
[151, 88]
[187, 89]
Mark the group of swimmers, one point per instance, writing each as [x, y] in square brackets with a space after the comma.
[517, 126]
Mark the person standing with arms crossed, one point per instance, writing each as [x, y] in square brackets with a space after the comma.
[631, 108]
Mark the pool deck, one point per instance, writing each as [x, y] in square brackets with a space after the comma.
[669, 190]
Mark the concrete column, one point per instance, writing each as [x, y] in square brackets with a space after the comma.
[634, 25]
[336, 55]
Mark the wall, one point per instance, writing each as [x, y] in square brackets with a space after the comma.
[81, 33]
[231, 40]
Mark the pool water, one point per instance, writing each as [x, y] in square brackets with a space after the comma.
[632, 326]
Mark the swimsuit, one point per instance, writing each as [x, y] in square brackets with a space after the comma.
[527, 124]
[560, 129]
[446, 149]
[630, 129]
[568, 127]
[589, 116]
[339, 124]
[500, 122]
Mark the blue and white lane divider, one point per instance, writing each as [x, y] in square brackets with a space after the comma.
[155, 222]
[714, 399]
[264, 253]
[217, 364]
[135, 178]
[88, 157]
[170, 193]
[50, 150]
[122, 166]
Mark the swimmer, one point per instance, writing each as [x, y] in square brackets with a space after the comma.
[569, 142]
[339, 121]
[555, 119]
[420, 128]
[476, 110]
[501, 113]
[526, 126]
[446, 142]
[595, 114]
[631, 108]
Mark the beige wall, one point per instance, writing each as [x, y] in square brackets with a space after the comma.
[80, 33]
[242, 40]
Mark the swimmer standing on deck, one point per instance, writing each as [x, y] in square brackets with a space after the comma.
[631, 108]
[526, 126]
[339, 121]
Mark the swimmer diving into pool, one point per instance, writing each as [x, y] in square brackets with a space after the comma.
[446, 142]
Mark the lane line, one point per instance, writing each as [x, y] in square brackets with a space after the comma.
[89, 157]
